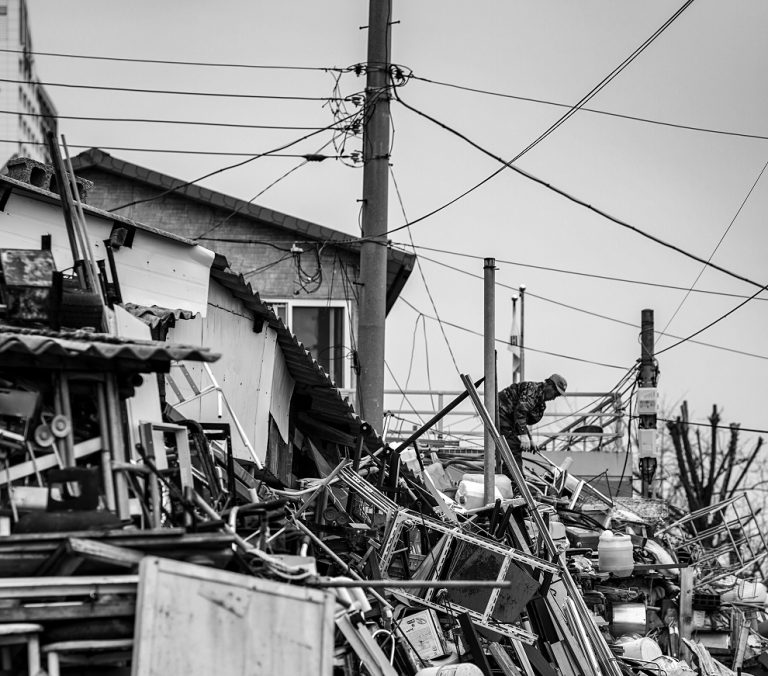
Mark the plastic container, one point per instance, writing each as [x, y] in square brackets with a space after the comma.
[645, 649]
[408, 456]
[470, 494]
[557, 533]
[614, 554]
[502, 481]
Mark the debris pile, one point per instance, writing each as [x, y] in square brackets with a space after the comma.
[147, 547]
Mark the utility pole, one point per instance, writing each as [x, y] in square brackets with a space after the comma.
[373, 251]
[514, 343]
[522, 333]
[489, 368]
[647, 399]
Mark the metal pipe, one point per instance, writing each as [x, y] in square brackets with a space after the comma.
[349, 571]
[414, 584]
[489, 371]
[435, 418]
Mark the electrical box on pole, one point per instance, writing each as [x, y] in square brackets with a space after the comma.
[647, 404]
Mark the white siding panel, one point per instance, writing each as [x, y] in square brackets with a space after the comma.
[154, 271]
[244, 372]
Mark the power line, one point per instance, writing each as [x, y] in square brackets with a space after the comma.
[240, 207]
[719, 427]
[562, 193]
[577, 273]
[172, 91]
[423, 277]
[593, 92]
[712, 323]
[498, 340]
[608, 318]
[169, 62]
[717, 246]
[605, 81]
[179, 151]
[597, 111]
[223, 169]
[201, 123]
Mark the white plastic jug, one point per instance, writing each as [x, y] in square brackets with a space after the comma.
[502, 482]
[470, 494]
[614, 554]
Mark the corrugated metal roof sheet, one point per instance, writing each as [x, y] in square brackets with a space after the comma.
[42, 347]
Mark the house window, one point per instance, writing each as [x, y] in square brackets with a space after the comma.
[323, 329]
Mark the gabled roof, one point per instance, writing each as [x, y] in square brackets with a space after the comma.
[399, 263]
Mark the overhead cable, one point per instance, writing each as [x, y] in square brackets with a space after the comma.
[137, 90]
[714, 251]
[719, 427]
[562, 193]
[498, 340]
[167, 61]
[712, 323]
[605, 81]
[218, 171]
[615, 320]
[423, 277]
[578, 273]
[201, 123]
[180, 151]
[634, 118]
[242, 206]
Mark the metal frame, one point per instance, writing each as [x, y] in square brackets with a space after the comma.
[735, 512]
[406, 518]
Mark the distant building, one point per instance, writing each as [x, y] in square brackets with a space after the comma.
[26, 111]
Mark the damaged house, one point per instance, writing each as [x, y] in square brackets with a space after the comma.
[306, 272]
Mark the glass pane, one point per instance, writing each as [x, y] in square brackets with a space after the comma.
[321, 329]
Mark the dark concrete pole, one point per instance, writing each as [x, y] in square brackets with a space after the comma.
[373, 252]
[489, 371]
[522, 334]
[647, 379]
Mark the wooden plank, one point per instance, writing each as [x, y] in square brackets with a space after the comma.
[101, 551]
[193, 619]
[88, 585]
[50, 612]
[685, 618]
[42, 463]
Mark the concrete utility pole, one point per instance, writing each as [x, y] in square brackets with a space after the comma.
[489, 368]
[646, 407]
[522, 333]
[373, 252]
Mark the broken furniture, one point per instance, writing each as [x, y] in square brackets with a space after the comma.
[20, 633]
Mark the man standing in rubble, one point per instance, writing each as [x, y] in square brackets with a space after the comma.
[523, 404]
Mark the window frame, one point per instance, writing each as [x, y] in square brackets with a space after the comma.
[291, 303]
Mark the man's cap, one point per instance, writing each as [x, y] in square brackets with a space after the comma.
[559, 382]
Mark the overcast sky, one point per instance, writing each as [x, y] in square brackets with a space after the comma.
[685, 186]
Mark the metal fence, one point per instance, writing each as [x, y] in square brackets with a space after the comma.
[577, 421]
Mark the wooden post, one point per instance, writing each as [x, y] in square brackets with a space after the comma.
[685, 620]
